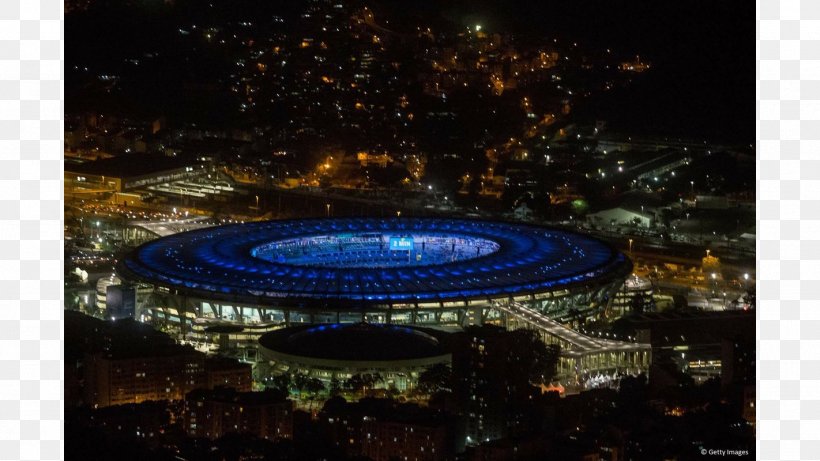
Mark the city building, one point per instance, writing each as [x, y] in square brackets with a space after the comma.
[495, 398]
[704, 344]
[120, 301]
[634, 296]
[230, 373]
[510, 449]
[127, 172]
[416, 440]
[123, 362]
[382, 429]
[136, 376]
[212, 413]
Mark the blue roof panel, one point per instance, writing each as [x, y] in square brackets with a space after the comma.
[518, 258]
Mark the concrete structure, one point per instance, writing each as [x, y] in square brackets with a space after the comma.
[214, 413]
[120, 301]
[383, 429]
[705, 344]
[102, 290]
[127, 172]
[410, 440]
[338, 351]
[132, 375]
[581, 356]
[439, 272]
[636, 290]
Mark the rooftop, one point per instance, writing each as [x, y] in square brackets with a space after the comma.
[130, 165]
[397, 260]
[359, 342]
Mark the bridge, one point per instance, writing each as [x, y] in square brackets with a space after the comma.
[582, 357]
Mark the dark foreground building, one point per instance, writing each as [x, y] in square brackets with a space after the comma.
[384, 430]
[214, 413]
[125, 362]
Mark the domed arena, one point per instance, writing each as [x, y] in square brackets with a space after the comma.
[397, 353]
[381, 270]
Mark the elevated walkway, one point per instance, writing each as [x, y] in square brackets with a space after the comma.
[581, 356]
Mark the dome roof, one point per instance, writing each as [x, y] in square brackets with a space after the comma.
[356, 341]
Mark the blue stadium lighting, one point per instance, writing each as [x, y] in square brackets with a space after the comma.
[371, 260]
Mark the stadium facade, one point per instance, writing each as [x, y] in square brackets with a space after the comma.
[397, 354]
[421, 271]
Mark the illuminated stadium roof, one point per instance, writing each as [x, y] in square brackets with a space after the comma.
[362, 261]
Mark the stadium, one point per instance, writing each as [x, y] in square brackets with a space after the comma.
[398, 354]
[423, 271]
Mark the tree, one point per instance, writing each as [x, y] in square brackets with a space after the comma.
[300, 382]
[435, 378]
[261, 371]
[539, 360]
[355, 383]
[335, 387]
[369, 381]
[393, 392]
[633, 389]
[314, 386]
[710, 264]
[283, 382]
[550, 361]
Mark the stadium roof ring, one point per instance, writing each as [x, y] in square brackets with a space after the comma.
[364, 262]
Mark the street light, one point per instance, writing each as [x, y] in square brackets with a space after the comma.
[328, 209]
[630, 246]
[257, 201]
[398, 213]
